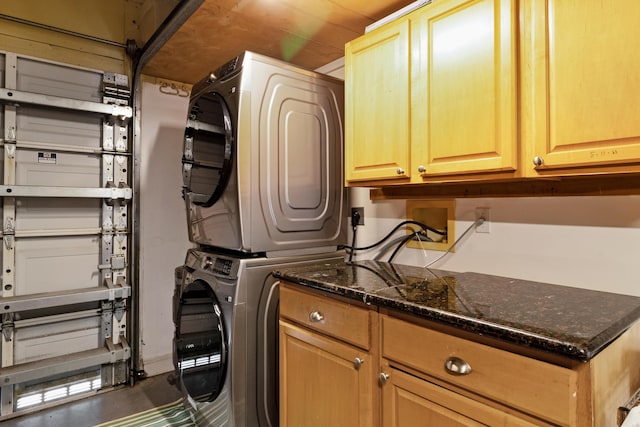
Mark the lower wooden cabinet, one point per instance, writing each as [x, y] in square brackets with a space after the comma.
[529, 386]
[324, 382]
[348, 364]
[328, 361]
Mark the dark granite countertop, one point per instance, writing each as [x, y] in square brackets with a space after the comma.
[563, 320]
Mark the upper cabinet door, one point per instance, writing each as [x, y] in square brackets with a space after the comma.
[581, 94]
[464, 87]
[377, 104]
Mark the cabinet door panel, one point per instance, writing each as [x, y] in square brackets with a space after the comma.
[464, 87]
[319, 384]
[410, 401]
[377, 104]
[584, 82]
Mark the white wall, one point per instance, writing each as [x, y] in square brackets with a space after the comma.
[163, 230]
[586, 242]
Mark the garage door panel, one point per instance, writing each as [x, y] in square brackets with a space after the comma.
[56, 339]
[56, 264]
[57, 169]
[58, 127]
[65, 312]
[57, 214]
[58, 80]
[65, 256]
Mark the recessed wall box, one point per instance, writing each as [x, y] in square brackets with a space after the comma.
[437, 214]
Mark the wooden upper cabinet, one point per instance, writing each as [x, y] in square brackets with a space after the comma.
[581, 88]
[433, 94]
[495, 89]
[464, 87]
[377, 104]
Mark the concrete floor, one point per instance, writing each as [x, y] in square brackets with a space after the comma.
[146, 394]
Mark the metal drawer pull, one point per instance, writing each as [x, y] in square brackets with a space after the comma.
[456, 366]
[357, 362]
[316, 316]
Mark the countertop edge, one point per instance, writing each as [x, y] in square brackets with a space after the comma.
[505, 333]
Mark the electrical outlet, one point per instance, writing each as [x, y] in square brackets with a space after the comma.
[485, 213]
[360, 218]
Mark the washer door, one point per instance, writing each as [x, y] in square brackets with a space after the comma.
[208, 149]
[200, 346]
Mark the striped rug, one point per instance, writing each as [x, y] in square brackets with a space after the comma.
[170, 415]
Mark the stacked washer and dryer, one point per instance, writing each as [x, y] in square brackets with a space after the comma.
[262, 170]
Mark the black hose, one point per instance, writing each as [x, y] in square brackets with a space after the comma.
[403, 223]
[353, 243]
[402, 243]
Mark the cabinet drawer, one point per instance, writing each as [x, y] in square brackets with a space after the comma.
[538, 388]
[340, 320]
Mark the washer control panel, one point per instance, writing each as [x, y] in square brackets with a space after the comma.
[220, 266]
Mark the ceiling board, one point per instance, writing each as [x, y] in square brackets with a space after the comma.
[308, 33]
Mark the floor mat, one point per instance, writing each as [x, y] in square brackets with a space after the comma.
[170, 415]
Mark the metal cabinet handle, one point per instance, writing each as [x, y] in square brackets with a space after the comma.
[357, 362]
[456, 366]
[383, 378]
[400, 171]
[316, 316]
[422, 169]
[538, 161]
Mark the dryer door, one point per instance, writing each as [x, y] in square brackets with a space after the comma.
[208, 149]
[200, 346]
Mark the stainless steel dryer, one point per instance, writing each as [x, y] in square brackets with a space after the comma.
[226, 336]
[262, 163]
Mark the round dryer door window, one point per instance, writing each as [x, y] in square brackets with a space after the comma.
[208, 149]
[200, 349]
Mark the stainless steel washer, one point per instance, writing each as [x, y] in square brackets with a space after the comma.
[226, 337]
